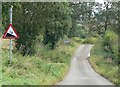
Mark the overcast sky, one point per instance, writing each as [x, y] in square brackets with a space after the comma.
[100, 1]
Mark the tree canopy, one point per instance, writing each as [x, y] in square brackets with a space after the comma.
[47, 22]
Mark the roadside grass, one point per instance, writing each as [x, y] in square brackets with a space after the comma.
[0, 70]
[90, 40]
[87, 40]
[107, 68]
[5, 44]
[46, 67]
[0, 74]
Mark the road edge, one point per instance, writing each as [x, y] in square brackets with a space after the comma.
[88, 59]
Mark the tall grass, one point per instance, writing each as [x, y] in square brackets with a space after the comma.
[46, 67]
[0, 70]
[106, 67]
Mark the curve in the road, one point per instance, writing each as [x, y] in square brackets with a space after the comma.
[81, 73]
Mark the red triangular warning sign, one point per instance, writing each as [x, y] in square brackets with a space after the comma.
[10, 33]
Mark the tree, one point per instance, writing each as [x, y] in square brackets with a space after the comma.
[58, 22]
[81, 15]
[25, 20]
[48, 20]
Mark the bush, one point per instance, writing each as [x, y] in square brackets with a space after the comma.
[44, 68]
[78, 39]
[110, 44]
[91, 40]
[104, 67]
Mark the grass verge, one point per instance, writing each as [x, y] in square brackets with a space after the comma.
[46, 67]
[106, 67]
[0, 72]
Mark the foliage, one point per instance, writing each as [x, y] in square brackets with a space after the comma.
[24, 26]
[110, 44]
[45, 68]
[53, 24]
[81, 14]
[91, 40]
[42, 26]
[52, 21]
[107, 67]
[58, 23]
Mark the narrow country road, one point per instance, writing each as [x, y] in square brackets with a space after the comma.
[81, 73]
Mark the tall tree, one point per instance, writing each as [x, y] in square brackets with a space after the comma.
[49, 20]
[58, 22]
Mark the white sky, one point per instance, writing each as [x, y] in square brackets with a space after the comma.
[100, 1]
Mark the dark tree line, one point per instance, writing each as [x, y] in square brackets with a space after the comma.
[47, 22]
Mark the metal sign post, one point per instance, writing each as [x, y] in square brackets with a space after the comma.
[10, 33]
[10, 54]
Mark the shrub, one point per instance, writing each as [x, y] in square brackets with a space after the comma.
[103, 66]
[78, 39]
[110, 44]
[91, 40]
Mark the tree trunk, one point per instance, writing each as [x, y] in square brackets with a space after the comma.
[107, 17]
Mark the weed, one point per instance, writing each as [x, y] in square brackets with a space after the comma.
[46, 67]
[107, 68]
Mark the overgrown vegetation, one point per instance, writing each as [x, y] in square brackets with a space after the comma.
[42, 28]
[45, 68]
[50, 20]
[104, 57]
[0, 62]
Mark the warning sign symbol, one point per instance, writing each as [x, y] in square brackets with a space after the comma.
[10, 33]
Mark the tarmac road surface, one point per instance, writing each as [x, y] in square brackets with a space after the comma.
[81, 73]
